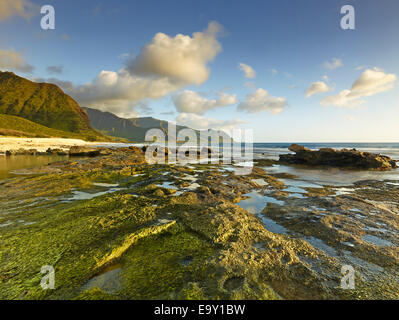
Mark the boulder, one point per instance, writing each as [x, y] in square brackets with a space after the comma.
[21, 151]
[59, 152]
[77, 151]
[338, 158]
[297, 148]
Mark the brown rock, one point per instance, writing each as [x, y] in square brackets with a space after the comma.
[77, 151]
[297, 148]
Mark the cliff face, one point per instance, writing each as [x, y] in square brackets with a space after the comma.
[43, 103]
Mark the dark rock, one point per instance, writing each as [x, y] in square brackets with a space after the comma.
[21, 151]
[207, 150]
[338, 158]
[59, 152]
[84, 151]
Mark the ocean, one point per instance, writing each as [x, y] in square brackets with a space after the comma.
[272, 150]
[323, 176]
[330, 176]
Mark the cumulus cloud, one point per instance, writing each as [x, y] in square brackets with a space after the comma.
[12, 60]
[200, 123]
[191, 102]
[55, 69]
[370, 82]
[165, 65]
[249, 72]
[334, 64]
[120, 92]
[317, 87]
[22, 8]
[261, 100]
[182, 59]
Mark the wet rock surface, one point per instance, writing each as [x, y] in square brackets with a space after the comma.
[337, 158]
[115, 227]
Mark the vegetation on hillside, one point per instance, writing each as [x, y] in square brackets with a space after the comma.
[133, 129]
[20, 127]
[43, 103]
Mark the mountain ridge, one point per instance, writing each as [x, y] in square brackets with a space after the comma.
[42, 103]
[133, 129]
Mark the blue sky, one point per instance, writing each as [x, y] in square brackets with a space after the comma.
[289, 44]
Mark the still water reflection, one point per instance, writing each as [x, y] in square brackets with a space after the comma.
[8, 164]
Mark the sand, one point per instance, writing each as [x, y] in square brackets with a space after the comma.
[41, 144]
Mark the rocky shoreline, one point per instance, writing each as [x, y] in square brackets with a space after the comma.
[40, 146]
[337, 158]
[115, 227]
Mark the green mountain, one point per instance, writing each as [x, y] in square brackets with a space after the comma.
[133, 129]
[45, 104]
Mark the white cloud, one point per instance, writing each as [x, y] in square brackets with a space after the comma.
[120, 92]
[198, 122]
[12, 60]
[317, 87]
[370, 82]
[274, 71]
[22, 8]
[165, 65]
[260, 100]
[191, 102]
[249, 72]
[182, 58]
[334, 64]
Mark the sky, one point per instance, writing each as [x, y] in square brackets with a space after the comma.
[285, 69]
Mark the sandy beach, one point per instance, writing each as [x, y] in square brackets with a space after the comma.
[41, 144]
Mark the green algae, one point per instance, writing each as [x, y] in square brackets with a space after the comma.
[208, 250]
[153, 268]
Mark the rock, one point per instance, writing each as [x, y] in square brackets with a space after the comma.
[21, 151]
[59, 152]
[32, 152]
[205, 191]
[77, 151]
[207, 150]
[162, 150]
[297, 148]
[338, 158]
[158, 193]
